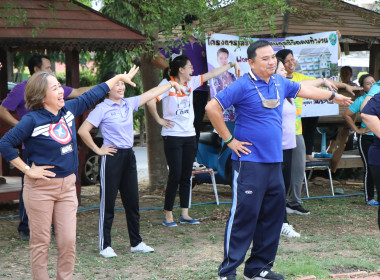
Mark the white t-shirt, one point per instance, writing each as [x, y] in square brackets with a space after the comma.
[178, 108]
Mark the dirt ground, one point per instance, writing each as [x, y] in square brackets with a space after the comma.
[195, 252]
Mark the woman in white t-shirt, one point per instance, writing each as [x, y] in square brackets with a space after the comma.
[178, 131]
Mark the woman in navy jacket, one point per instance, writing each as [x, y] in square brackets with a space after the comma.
[48, 133]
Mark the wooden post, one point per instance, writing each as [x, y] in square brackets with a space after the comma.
[3, 93]
[374, 61]
[72, 68]
[3, 74]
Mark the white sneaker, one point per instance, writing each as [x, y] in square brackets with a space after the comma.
[288, 231]
[142, 248]
[198, 166]
[108, 253]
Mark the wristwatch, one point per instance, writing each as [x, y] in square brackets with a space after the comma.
[332, 95]
[26, 167]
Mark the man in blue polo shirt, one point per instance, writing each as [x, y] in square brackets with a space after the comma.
[258, 189]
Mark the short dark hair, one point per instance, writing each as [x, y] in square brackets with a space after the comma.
[347, 67]
[222, 50]
[188, 20]
[282, 54]
[251, 51]
[107, 76]
[36, 60]
[363, 77]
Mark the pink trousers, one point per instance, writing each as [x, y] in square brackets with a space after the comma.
[46, 202]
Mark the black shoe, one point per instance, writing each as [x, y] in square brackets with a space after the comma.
[24, 235]
[266, 274]
[298, 209]
[228, 277]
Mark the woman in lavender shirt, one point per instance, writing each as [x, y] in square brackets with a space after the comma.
[118, 171]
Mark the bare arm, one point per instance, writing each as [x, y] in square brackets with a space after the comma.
[350, 117]
[365, 101]
[84, 133]
[215, 114]
[156, 91]
[126, 78]
[350, 89]
[6, 116]
[372, 122]
[152, 108]
[321, 94]
[220, 70]
[35, 172]
[78, 92]
[160, 62]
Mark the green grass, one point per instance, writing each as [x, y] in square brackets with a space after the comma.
[340, 235]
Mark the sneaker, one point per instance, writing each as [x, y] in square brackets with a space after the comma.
[372, 202]
[266, 274]
[298, 209]
[288, 231]
[198, 166]
[24, 236]
[188, 221]
[142, 248]
[228, 277]
[165, 223]
[108, 253]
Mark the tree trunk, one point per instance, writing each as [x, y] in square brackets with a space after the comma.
[142, 131]
[158, 171]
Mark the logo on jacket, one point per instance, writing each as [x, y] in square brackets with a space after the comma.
[60, 132]
[248, 192]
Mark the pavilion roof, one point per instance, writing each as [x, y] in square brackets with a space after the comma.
[62, 24]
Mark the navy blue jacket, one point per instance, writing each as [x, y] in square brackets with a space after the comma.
[50, 139]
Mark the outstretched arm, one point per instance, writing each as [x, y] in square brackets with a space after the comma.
[220, 70]
[160, 62]
[6, 116]
[321, 94]
[156, 91]
[78, 92]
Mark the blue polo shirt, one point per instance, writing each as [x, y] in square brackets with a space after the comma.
[373, 108]
[115, 121]
[254, 123]
[355, 108]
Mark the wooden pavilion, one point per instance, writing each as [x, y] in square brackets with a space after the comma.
[58, 25]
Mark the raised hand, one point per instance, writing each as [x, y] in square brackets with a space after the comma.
[352, 89]
[178, 87]
[127, 78]
[237, 69]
